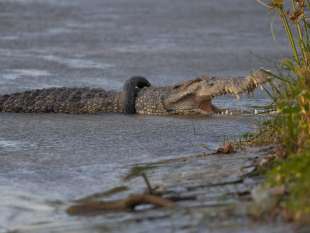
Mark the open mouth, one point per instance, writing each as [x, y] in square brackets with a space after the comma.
[207, 107]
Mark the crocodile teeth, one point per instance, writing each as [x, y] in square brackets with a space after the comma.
[237, 97]
[226, 112]
[261, 87]
[255, 111]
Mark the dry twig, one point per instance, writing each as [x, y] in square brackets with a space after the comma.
[129, 203]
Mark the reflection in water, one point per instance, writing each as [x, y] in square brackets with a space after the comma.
[20, 73]
[18, 208]
[77, 63]
[14, 145]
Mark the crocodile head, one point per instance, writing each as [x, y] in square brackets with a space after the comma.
[195, 96]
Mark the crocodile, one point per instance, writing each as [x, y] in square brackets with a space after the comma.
[190, 97]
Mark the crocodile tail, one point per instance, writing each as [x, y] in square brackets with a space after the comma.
[26, 101]
[67, 100]
[131, 88]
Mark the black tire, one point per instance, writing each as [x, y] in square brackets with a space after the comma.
[131, 88]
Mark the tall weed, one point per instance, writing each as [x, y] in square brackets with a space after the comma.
[292, 99]
[291, 126]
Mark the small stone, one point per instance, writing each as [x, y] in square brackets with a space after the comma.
[227, 148]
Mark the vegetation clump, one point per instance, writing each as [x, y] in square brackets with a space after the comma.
[294, 173]
[290, 128]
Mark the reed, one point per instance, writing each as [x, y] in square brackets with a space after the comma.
[290, 128]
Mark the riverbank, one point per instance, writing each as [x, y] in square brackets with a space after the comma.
[289, 129]
[213, 192]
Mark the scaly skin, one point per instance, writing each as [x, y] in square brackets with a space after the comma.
[62, 100]
[188, 98]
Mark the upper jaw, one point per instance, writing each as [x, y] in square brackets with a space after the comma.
[211, 87]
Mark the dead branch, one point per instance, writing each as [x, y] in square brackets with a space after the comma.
[129, 203]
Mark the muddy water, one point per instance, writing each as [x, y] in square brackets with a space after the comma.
[48, 159]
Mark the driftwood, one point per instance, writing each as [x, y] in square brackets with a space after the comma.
[129, 203]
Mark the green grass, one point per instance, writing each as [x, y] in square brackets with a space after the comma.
[290, 128]
[294, 174]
